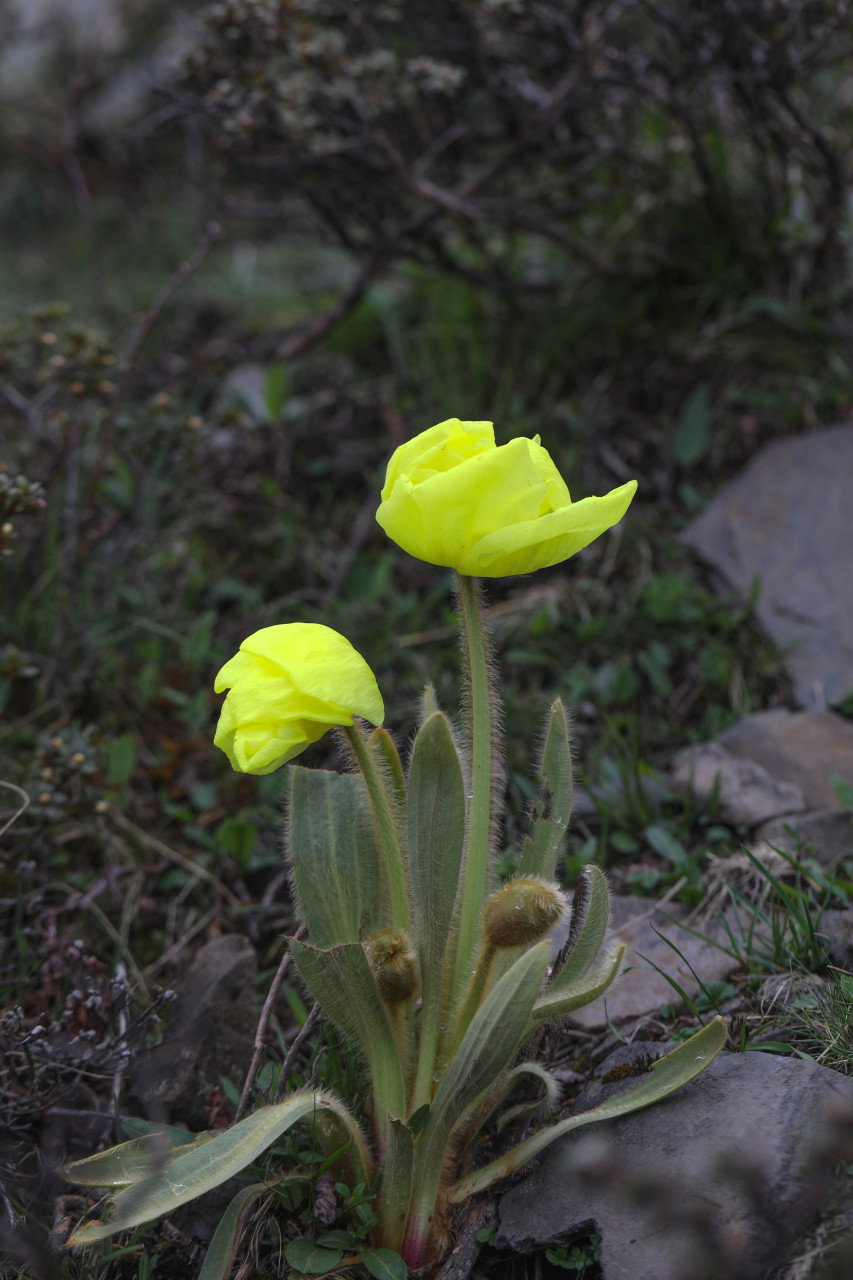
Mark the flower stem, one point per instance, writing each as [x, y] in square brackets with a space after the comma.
[475, 649]
[381, 807]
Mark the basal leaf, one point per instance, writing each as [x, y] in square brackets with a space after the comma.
[436, 839]
[341, 981]
[668, 1074]
[191, 1171]
[557, 1003]
[337, 870]
[550, 815]
[590, 918]
[222, 1249]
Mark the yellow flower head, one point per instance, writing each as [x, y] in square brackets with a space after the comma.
[452, 497]
[288, 685]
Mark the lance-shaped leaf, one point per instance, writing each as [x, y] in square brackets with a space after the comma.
[590, 918]
[668, 1074]
[192, 1170]
[337, 869]
[550, 815]
[341, 981]
[556, 1004]
[436, 840]
[485, 1050]
[222, 1249]
[129, 1162]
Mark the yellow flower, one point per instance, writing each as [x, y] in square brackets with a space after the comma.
[288, 685]
[452, 497]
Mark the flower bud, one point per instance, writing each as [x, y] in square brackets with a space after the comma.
[394, 964]
[522, 911]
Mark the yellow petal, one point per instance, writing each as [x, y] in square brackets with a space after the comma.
[438, 449]
[287, 685]
[538, 544]
[443, 517]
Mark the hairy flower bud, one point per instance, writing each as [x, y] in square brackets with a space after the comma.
[522, 911]
[394, 964]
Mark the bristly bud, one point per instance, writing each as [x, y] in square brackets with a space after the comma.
[522, 911]
[394, 964]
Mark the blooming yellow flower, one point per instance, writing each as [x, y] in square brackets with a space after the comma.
[288, 685]
[452, 497]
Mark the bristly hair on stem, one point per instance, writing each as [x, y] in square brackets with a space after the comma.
[481, 717]
[495, 705]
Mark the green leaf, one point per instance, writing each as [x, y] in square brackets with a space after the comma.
[311, 1258]
[122, 1166]
[396, 1188]
[238, 838]
[590, 918]
[568, 996]
[385, 1264]
[436, 840]
[120, 760]
[337, 869]
[668, 1074]
[692, 441]
[276, 388]
[337, 1239]
[176, 1177]
[341, 981]
[222, 1249]
[134, 1127]
[487, 1235]
[550, 815]
[418, 1119]
[493, 1037]
[665, 844]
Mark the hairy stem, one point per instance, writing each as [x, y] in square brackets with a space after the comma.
[475, 651]
[381, 808]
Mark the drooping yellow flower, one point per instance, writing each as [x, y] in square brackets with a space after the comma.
[452, 497]
[288, 685]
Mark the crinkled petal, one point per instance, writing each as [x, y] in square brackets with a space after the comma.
[438, 450]
[443, 518]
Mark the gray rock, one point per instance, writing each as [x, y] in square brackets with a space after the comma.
[714, 1181]
[803, 748]
[838, 927]
[642, 990]
[746, 793]
[828, 833]
[787, 519]
[210, 1035]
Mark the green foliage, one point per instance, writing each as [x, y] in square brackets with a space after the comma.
[578, 1256]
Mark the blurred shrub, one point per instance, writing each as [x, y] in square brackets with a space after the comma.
[440, 132]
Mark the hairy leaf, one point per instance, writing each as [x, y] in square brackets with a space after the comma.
[550, 815]
[337, 869]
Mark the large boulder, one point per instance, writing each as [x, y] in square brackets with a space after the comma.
[786, 519]
[714, 1181]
